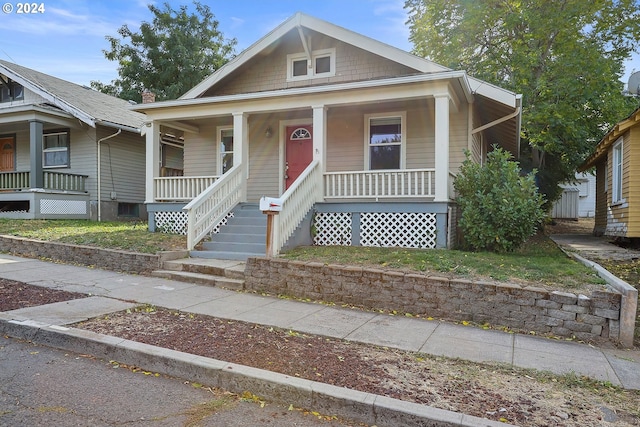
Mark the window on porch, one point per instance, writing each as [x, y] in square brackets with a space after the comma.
[225, 161]
[55, 149]
[384, 142]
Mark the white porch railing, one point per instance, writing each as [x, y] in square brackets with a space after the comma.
[296, 202]
[380, 184]
[181, 188]
[212, 206]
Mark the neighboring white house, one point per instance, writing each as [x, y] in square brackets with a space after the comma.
[357, 140]
[67, 151]
[578, 199]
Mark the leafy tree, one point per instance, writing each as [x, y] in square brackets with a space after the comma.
[564, 56]
[168, 56]
[500, 207]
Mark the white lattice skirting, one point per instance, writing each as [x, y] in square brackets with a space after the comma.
[63, 207]
[176, 222]
[332, 229]
[171, 222]
[383, 229]
[405, 230]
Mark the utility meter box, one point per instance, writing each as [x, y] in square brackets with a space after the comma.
[270, 204]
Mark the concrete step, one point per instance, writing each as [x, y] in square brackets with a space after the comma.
[211, 272]
[200, 279]
[235, 247]
[239, 238]
[225, 255]
[244, 229]
[246, 220]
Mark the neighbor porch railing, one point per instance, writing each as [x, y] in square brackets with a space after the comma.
[380, 184]
[51, 181]
[296, 203]
[181, 188]
[209, 208]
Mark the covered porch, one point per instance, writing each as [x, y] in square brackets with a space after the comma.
[388, 152]
[35, 179]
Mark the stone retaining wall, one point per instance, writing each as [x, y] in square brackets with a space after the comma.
[129, 262]
[528, 309]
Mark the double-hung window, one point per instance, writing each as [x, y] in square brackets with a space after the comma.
[385, 141]
[55, 149]
[321, 64]
[225, 159]
[616, 179]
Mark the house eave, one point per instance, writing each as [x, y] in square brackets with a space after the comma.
[311, 90]
[611, 137]
[50, 97]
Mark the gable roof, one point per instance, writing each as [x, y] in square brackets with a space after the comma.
[85, 104]
[609, 139]
[301, 20]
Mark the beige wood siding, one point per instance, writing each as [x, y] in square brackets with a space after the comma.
[200, 150]
[421, 135]
[346, 135]
[269, 71]
[458, 137]
[264, 157]
[345, 139]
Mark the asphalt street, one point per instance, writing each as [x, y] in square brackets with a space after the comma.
[42, 386]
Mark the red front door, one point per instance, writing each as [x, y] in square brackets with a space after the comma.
[298, 152]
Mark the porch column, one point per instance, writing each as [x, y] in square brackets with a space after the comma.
[442, 148]
[35, 147]
[153, 159]
[241, 145]
[320, 134]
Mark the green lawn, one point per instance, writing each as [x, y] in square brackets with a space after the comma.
[539, 261]
[129, 236]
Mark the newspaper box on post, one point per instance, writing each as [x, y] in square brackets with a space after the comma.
[270, 204]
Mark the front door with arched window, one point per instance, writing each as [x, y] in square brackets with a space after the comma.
[298, 152]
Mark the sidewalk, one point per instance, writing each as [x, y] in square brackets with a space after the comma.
[111, 291]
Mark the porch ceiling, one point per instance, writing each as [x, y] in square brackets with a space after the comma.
[505, 134]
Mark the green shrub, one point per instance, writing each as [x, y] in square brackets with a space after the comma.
[500, 207]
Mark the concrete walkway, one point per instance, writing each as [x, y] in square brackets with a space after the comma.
[110, 292]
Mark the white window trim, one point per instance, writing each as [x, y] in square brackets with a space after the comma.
[403, 136]
[219, 131]
[53, 150]
[311, 71]
[617, 172]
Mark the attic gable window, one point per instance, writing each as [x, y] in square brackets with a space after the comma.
[322, 64]
[10, 91]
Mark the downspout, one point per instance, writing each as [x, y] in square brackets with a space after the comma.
[99, 172]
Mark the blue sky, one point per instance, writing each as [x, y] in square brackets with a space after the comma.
[67, 39]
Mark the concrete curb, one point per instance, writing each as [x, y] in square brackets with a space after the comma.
[323, 398]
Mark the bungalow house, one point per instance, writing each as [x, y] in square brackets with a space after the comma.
[358, 142]
[617, 212]
[67, 151]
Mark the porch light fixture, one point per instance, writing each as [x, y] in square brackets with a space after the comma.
[269, 132]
